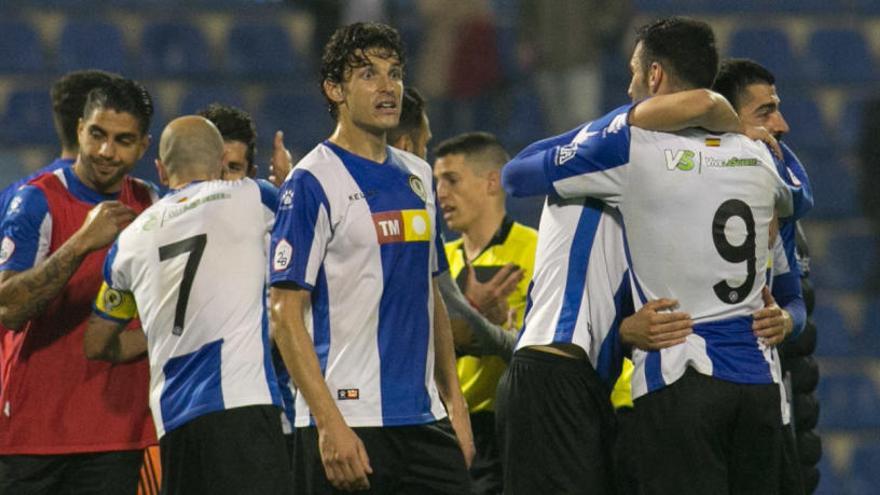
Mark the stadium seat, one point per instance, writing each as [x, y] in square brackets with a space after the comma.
[261, 50]
[848, 401]
[849, 127]
[864, 475]
[302, 116]
[771, 48]
[834, 187]
[28, 119]
[199, 97]
[839, 56]
[92, 45]
[11, 168]
[174, 49]
[839, 268]
[830, 481]
[20, 48]
[834, 336]
[808, 129]
[526, 122]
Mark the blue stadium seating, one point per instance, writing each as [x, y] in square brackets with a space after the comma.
[834, 335]
[302, 116]
[839, 56]
[807, 124]
[260, 50]
[771, 48]
[830, 482]
[526, 122]
[846, 262]
[849, 127]
[848, 401]
[834, 186]
[20, 48]
[28, 119]
[92, 45]
[864, 472]
[174, 49]
[198, 97]
[11, 168]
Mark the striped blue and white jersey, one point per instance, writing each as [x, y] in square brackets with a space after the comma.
[697, 210]
[580, 290]
[363, 238]
[193, 267]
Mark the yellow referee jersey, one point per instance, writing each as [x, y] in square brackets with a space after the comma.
[513, 243]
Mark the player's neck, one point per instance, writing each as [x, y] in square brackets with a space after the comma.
[360, 141]
[478, 235]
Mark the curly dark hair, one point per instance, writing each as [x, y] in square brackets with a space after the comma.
[68, 99]
[345, 51]
[122, 95]
[686, 48]
[234, 124]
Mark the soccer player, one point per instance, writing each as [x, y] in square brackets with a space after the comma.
[751, 88]
[68, 98]
[68, 423]
[240, 144]
[239, 153]
[213, 391]
[356, 313]
[467, 172]
[698, 210]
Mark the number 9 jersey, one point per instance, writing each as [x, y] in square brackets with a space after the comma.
[194, 267]
[697, 210]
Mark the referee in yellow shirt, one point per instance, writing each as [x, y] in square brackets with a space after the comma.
[492, 263]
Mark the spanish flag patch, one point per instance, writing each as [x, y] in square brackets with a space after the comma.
[713, 142]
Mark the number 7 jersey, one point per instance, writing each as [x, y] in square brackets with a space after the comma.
[697, 210]
[193, 266]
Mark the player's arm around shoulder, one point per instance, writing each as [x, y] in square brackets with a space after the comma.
[693, 108]
[343, 454]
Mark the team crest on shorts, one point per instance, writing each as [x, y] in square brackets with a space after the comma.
[283, 254]
[416, 185]
[7, 247]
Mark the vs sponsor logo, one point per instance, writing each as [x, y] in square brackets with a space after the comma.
[681, 159]
[402, 226]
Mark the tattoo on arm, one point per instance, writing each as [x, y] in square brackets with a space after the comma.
[26, 294]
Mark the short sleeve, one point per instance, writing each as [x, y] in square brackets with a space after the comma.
[301, 233]
[269, 198]
[26, 230]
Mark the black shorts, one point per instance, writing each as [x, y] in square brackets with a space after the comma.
[486, 468]
[421, 459]
[556, 426]
[236, 451]
[111, 473]
[704, 435]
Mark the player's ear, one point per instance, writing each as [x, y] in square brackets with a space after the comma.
[333, 91]
[163, 175]
[656, 74]
[493, 183]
